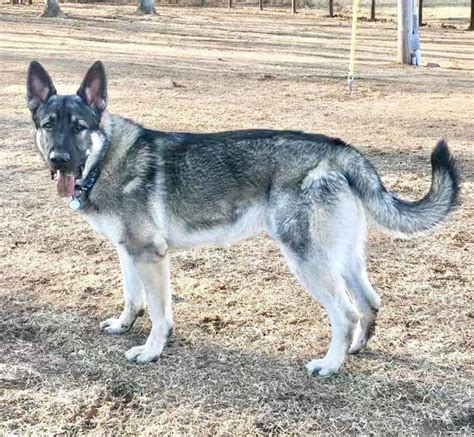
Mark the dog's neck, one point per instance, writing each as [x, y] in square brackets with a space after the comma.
[120, 134]
[108, 154]
[96, 152]
[92, 168]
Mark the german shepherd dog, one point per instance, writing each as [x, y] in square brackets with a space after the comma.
[150, 192]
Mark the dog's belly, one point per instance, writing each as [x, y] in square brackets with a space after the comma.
[181, 235]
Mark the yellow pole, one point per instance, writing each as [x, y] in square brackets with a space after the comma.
[355, 12]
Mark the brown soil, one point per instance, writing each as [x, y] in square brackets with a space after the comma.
[244, 328]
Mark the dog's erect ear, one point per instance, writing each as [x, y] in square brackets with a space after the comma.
[93, 89]
[39, 86]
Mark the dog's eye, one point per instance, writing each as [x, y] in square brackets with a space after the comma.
[47, 125]
[79, 127]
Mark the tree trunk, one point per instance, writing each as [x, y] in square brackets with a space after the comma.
[372, 11]
[405, 27]
[420, 13]
[331, 8]
[51, 9]
[146, 7]
[471, 27]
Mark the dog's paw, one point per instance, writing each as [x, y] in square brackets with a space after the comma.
[322, 367]
[357, 346]
[114, 326]
[142, 354]
[359, 341]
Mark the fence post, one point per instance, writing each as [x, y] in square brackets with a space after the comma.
[331, 8]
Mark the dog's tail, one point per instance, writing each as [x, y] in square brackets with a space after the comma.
[399, 215]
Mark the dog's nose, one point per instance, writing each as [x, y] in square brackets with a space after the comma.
[59, 158]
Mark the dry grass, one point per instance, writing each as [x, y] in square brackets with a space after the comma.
[244, 328]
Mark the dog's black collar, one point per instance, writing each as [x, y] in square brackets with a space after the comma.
[84, 186]
[82, 189]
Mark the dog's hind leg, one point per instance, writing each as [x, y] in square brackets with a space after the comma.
[326, 285]
[133, 294]
[367, 301]
[314, 228]
[358, 284]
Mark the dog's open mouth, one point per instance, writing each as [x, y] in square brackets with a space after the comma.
[65, 183]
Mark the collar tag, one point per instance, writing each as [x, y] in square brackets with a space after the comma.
[75, 203]
[81, 190]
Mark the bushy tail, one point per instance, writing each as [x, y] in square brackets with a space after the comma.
[399, 215]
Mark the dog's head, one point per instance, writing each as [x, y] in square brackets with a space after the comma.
[66, 126]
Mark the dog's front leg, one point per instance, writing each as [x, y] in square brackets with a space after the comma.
[155, 277]
[133, 295]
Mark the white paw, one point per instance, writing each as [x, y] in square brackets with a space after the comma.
[114, 326]
[359, 341]
[143, 354]
[358, 345]
[323, 367]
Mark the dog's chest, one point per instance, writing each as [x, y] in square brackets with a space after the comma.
[106, 225]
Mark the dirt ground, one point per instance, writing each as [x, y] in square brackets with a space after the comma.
[244, 328]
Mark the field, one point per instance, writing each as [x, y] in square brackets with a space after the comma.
[244, 327]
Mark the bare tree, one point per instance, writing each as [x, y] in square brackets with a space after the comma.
[420, 13]
[372, 11]
[146, 7]
[52, 9]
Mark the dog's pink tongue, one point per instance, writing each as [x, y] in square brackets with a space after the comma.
[66, 185]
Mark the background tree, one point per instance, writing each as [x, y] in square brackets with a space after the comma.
[52, 9]
[372, 11]
[420, 13]
[146, 7]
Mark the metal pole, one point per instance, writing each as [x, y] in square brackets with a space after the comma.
[331, 8]
[350, 76]
[293, 6]
[260, 4]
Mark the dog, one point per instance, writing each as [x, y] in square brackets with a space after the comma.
[150, 192]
